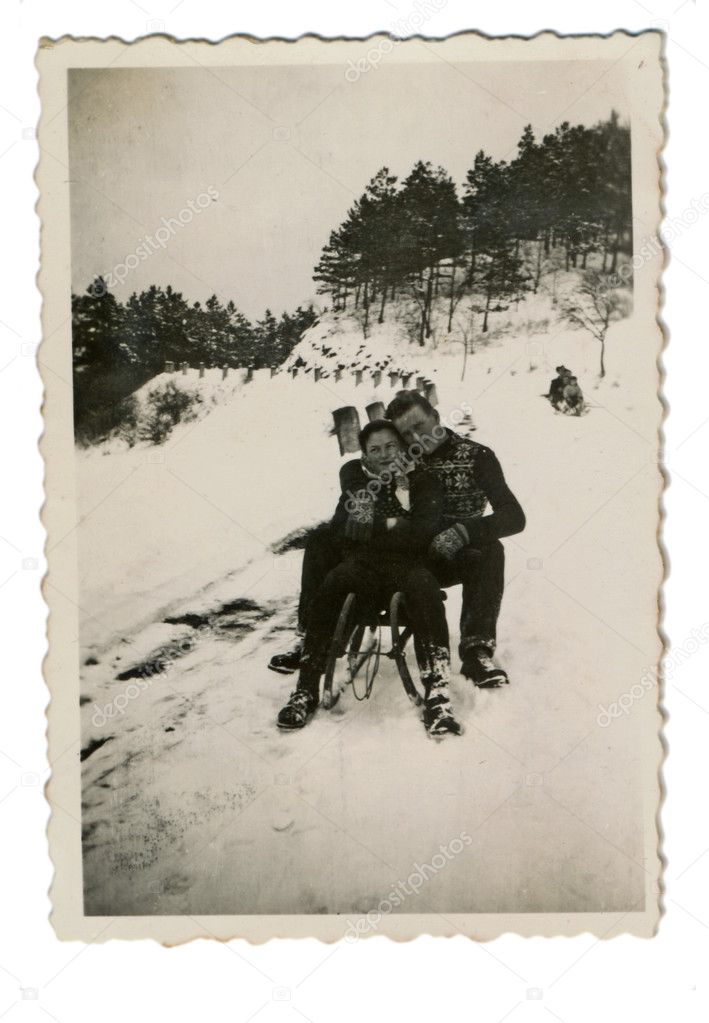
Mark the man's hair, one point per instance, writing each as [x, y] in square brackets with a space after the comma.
[376, 426]
[405, 400]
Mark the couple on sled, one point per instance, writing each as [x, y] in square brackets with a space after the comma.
[409, 518]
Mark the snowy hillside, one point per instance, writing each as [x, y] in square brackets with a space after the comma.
[181, 563]
[213, 494]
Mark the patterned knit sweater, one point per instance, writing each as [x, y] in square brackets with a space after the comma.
[472, 478]
[416, 524]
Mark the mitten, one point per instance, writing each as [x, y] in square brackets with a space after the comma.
[449, 542]
[360, 520]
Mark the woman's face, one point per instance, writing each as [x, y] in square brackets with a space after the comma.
[383, 449]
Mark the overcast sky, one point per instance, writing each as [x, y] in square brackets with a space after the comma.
[145, 142]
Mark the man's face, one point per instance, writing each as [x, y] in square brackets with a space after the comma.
[382, 449]
[416, 426]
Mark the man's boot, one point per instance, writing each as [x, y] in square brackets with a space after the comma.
[478, 666]
[287, 663]
[303, 701]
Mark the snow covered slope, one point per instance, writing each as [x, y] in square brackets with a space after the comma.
[208, 792]
[161, 522]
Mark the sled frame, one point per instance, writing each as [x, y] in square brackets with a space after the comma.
[360, 642]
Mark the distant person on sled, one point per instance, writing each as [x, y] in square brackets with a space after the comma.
[572, 400]
[383, 527]
[556, 387]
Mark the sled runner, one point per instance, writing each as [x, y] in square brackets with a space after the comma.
[359, 641]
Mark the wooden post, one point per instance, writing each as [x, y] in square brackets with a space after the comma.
[358, 377]
[316, 374]
[184, 369]
[375, 410]
[225, 371]
[338, 375]
[201, 370]
[273, 371]
[393, 377]
[249, 374]
[294, 371]
[430, 392]
[346, 421]
[169, 366]
[405, 378]
[377, 377]
[420, 384]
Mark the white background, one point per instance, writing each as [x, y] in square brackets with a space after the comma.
[572, 980]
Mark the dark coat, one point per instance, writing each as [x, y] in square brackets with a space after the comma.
[416, 526]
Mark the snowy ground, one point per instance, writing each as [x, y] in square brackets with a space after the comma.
[195, 803]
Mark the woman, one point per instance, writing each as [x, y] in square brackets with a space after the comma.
[386, 527]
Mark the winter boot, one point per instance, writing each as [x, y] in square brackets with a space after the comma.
[438, 714]
[288, 662]
[301, 706]
[479, 668]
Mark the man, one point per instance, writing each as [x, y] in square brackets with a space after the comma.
[468, 551]
[556, 388]
[385, 530]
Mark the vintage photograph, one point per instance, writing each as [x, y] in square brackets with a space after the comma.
[353, 483]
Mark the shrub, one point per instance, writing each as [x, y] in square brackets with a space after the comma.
[98, 424]
[166, 406]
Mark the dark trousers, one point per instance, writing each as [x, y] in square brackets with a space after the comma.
[482, 575]
[322, 553]
[374, 581]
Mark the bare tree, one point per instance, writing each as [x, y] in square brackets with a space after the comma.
[465, 324]
[595, 305]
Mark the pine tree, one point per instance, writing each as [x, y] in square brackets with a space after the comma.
[431, 233]
[486, 206]
[380, 210]
[500, 277]
[95, 329]
[614, 192]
